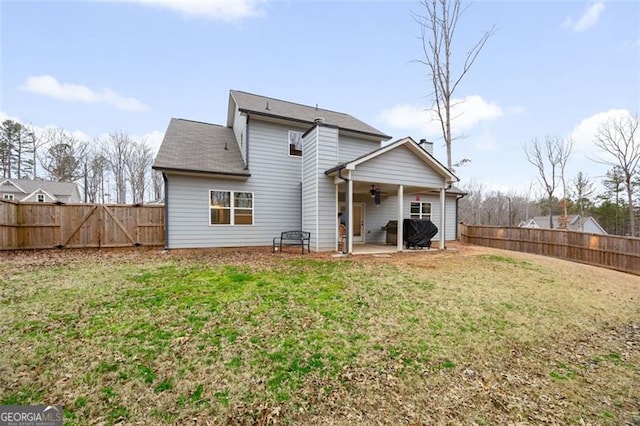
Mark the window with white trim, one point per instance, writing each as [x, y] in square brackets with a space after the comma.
[9, 197]
[295, 144]
[40, 198]
[420, 210]
[230, 207]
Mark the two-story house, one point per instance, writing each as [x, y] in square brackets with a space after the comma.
[39, 191]
[278, 166]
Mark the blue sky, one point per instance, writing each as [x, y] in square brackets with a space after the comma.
[552, 68]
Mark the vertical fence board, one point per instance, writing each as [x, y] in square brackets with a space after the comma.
[611, 251]
[8, 224]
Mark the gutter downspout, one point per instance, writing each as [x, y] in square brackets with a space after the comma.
[246, 166]
[166, 210]
[347, 237]
[457, 214]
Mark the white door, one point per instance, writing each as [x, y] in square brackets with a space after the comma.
[358, 221]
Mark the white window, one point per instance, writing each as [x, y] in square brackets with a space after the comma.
[420, 210]
[295, 144]
[7, 197]
[40, 198]
[230, 208]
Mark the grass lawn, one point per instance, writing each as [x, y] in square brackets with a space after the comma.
[246, 337]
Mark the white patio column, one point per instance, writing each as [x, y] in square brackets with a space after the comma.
[443, 231]
[400, 242]
[349, 203]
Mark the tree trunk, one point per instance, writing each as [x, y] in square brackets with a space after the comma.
[631, 212]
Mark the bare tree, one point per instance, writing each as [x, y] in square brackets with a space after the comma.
[565, 153]
[438, 23]
[584, 189]
[94, 167]
[470, 206]
[62, 158]
[548, 160]
[158, 185]
[137, 165]
[117, 149]
[617, 138]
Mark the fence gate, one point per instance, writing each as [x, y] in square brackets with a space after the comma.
[38, 226]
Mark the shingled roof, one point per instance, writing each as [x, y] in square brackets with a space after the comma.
[270, 107]
[28, 186]
[193, 146]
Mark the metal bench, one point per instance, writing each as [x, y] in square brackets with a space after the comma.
[292, 238]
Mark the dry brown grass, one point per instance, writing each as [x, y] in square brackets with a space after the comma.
[471, 335]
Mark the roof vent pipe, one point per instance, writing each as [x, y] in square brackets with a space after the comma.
[267, 107]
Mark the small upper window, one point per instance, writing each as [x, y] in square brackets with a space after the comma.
[295, 144]
[8, 197]
[421, 210]
[40, 198]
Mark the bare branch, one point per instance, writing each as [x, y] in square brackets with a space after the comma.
[617, 138]
[438, 25]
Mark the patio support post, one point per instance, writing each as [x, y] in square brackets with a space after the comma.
[400, 241]
[349, 202]
[443, 232]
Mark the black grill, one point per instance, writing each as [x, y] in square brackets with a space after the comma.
[417, 233]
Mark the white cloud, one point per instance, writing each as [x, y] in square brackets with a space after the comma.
[587, 20]
[584, 132]
[49, 86]
[466, 113]
[223, 10]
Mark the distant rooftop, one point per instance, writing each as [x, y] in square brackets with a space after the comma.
[55, 188]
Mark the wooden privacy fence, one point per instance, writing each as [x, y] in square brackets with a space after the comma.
[620, 253]
[40, 226]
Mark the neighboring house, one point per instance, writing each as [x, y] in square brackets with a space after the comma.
[574, 223]
[279, 166]
[39, 191]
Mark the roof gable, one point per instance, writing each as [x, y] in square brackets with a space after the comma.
[33, 195]
[271, 107]
[410, 144]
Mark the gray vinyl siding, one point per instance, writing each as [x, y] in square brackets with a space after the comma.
[328, 214]
[240, 130]
[350, 148]
[275, 183]
[378, 216]
[450, 213]
[309, 185]
[319, 199]
[398, 166]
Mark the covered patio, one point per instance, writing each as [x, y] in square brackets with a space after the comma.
[400, 180]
